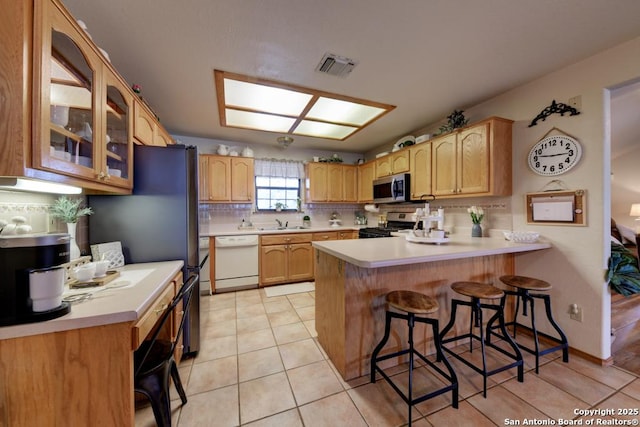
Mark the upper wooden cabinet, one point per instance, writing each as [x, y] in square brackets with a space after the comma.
[84, 108]
[331, 182]
[146, 128]
[66, 116]
[393, 163]
[420, 170]
[350, 183]
[366, 175]
[226, 179]
[473, 161]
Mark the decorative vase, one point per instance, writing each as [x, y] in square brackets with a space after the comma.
[476, 230]
[74, 250]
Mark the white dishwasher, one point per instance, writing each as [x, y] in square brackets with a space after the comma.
[236, 262]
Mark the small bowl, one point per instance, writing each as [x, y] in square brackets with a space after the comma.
[101, 267]
[84, 272]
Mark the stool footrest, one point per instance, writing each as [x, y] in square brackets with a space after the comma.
[424, 397]
[514, 364]
[560, 344]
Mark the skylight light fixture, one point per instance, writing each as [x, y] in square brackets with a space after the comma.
[259, 104]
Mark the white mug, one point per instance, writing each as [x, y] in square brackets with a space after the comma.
[436, 234]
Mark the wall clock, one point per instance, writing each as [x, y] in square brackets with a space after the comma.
[554, 155]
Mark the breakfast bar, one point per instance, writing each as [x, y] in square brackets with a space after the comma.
[353, 276]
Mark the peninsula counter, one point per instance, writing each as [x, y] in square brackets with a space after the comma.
[353, 276]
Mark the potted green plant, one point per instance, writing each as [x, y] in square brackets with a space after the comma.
[455, 120]
[69, 211]
[279, 206]
[622, 274]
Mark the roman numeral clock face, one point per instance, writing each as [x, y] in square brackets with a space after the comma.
[554, 155]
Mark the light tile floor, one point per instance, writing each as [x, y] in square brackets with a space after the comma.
[260, 364]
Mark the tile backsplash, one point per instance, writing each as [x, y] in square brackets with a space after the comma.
[498, 214]
[34, 207]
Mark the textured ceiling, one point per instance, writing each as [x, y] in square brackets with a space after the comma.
[427, 57]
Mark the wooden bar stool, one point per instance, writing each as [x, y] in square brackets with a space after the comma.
[523, 285]
[477, 291]
[414, 303]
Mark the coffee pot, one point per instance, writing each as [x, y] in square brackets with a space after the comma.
[32, 277]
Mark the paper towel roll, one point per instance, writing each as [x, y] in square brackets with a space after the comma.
[441, 221]
[371, 208]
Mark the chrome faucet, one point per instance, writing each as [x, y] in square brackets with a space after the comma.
[279, 222]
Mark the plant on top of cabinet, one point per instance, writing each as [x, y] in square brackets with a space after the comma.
[455, 121]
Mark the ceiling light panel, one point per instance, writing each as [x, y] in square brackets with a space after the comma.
[258, 121]
[323, 130]
[259, 104]
[336, 110]
[264, 98]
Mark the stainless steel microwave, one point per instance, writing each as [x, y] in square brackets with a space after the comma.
[391, 189]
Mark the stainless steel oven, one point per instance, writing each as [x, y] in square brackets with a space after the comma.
[391, 189]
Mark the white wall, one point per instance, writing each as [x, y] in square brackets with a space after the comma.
[576, 264]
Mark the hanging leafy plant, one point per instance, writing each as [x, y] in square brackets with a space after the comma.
[622, 274]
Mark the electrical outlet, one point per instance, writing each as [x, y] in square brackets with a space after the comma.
[575, 312]
[575, 102]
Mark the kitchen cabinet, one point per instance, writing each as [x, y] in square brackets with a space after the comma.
[350, 183]
[178, 315]
[146, 128]
[83, 113]
[473, 161]
[393, 163]
[420, 170]
[331, 182]
[319, 236]
[67, 115]
[79, 371]
[226, 179]
[366, 175]
[285, 258]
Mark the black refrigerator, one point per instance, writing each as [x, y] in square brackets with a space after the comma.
[159, 221]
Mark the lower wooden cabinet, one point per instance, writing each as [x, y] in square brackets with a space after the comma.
[178, 314]
[285, 258]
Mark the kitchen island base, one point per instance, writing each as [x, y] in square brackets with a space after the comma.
[350, 304]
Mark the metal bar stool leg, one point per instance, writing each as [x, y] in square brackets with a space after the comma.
[383, 341]
[563, 338]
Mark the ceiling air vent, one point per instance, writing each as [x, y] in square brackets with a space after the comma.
[336, 65]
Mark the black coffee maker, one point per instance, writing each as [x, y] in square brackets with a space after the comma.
[20, 256]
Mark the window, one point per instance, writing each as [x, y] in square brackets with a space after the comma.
[278, 184]
[271, 191]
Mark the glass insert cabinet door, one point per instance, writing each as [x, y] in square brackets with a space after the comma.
[85, 109]
[117, 135]
[72, 90]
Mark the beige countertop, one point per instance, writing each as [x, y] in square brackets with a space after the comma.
[391, 251]
[230, 230]
[133, 292]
